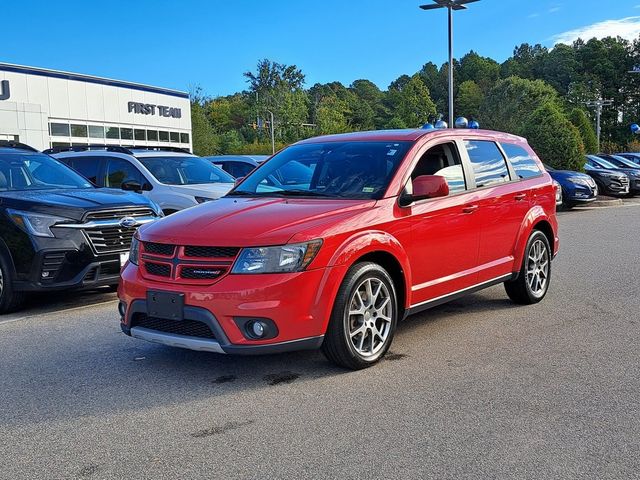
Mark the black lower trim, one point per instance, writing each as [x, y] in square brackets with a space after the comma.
[455, 295]
[312, 343]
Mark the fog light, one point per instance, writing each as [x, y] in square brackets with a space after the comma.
[257, 329]
[45, 274]
[122, 308]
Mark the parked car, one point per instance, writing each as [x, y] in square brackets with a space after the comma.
[620, 162]
[634, 157]
[391, 223]
[237, 166]
[609, 181]
[632, 174]
[57, 231]
[577, 188]
[171, 177]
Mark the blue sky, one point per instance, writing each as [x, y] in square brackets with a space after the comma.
[211, 43]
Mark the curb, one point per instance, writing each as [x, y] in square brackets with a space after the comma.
[609, 202]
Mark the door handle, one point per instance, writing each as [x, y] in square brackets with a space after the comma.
[520, 196]
[470, 208]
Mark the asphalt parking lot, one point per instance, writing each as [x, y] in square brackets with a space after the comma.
[478, 388]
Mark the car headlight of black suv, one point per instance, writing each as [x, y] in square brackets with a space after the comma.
[37, 224]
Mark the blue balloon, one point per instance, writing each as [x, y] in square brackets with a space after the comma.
[473, 124]
[441, 124]
[428, 126]
[635, 128]
[462, 122]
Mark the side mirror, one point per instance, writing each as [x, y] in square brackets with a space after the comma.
[131, 186]
[238, 181]
[428, 186]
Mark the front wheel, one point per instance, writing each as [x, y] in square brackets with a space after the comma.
[364, 318]
[533, 280]
[10, 300]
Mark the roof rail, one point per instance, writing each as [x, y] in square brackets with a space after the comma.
[84, 148]
[163, 149]
[17, 145]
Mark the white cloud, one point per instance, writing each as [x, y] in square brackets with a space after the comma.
[628, 28]
[533, 15]
[554, 9]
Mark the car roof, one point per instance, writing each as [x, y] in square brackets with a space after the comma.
[236, 158]
[409, 135]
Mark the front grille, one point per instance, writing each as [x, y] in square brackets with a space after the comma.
[158, 269]
[190, 328]
[201, 273]
[624, 180]
[120, 213]
[210, 252]
[51, 264]
[110, 239]
[159, 249]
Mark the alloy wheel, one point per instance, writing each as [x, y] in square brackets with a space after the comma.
[538, 268]
[369, 317]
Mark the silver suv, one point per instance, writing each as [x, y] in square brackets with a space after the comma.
[171, 177]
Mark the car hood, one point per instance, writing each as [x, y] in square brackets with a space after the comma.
[568, 175]
[71, 203]
[209, 190]
[243, 222]
[605, 170]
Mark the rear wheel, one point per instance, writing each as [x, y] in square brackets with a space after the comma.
[364, 318]
[10, 300]
[533, 280]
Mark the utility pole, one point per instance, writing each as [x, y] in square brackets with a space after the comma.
[598, 104]
[273, 138]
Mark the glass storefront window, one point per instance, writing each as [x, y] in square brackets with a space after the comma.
[184, 138]
[175, 137]
[59, 129]
[152, 135]
[126, 133]
[113, 132]
[96, 131]
[78, 130]
[139, 134]
[163, 136]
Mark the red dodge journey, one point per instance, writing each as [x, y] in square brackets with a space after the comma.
[335, 239]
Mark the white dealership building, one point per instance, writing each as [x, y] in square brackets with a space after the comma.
[46, 108]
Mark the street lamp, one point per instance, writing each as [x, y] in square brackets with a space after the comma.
[450, 5]
[273, 140]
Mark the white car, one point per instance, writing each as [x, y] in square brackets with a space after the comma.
[171, 177]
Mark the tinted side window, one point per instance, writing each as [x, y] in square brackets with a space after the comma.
[442, 160]
[521, 161]
[119, 171]
[238, 169]
[489, 166]
[87, 167]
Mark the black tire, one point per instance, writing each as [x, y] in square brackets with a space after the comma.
[520, 289]
[338, 345]
[10, 300]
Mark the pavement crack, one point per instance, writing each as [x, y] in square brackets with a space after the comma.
[220, 429]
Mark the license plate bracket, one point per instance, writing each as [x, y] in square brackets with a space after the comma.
[166, 305]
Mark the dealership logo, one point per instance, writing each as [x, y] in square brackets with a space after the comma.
[151, 109]
[4, 90]
[128, 222]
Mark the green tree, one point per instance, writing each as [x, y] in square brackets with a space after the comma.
[581, 121]
[511, 101]
[469, 99]
[409, 101]
[331, 116]
[554, 138]
[484, 71]
[204, 138]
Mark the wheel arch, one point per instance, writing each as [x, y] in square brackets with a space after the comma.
[536, 219]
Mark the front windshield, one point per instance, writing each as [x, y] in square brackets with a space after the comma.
[35, 171]
[622, 162]
[604, 164]
[185, 170]
[355, 170]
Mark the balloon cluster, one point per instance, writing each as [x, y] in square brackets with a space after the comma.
[635, 128]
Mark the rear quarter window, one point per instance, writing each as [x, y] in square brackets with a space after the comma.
[489, 166]
[521, 160]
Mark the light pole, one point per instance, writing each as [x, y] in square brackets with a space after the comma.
[450, 5]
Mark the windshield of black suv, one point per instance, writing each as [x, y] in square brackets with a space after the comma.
[35, 171]
[185, 170]
[351, 169]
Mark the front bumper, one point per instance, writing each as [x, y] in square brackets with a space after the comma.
[299, 304]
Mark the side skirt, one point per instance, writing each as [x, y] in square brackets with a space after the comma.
[419, 307]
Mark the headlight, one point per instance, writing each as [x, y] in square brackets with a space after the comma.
[286, 258]
[203, 199]
[134, 252]
[37, 224]
[609, 174]
[581, 181]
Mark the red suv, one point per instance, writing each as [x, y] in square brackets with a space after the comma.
[335, 239]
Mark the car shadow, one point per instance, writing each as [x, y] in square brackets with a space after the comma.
[105, 372]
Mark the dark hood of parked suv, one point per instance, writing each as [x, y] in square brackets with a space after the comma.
[71, 203]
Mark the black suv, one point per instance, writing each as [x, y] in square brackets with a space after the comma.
[57, 231]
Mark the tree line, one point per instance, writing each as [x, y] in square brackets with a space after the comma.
[538, 93]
